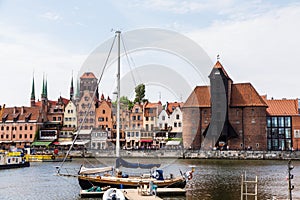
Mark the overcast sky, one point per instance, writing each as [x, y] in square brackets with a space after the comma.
[258, 41]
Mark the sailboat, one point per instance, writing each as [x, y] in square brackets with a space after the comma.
[113, 176]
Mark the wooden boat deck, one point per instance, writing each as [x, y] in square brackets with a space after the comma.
[135, 194]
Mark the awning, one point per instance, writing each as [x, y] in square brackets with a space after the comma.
[169, 143]
[146, 140]
[76, 142]
[41, 143]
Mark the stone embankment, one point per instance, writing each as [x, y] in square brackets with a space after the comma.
[189, 154]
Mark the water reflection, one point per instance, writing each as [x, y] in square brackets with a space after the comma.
[213, 179]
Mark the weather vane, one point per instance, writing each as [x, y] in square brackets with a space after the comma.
[218, 57]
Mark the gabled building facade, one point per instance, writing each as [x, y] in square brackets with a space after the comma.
[19, 126]
[283, 124]
[224, 115]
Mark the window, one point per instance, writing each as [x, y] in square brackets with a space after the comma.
[21, 128]
[179, 124]
[136, 110]
[281, 121]
[147, 127]
[7, 128]
[288, 121]
[101, 119]
[133, 117]
[25, 136]
[59, 119]
[175, 124]
[25, 127]
[150, 110]
[152, 118]
[14, 136]
[54, 118]
[274, 121]
[103, 111]
[2, 128]
[30, 136]
[138, 117]
[137, 134]
[20, 136]
[163, 118]
[31, 128]
[66, 119]
[177, 116]
[147, 118]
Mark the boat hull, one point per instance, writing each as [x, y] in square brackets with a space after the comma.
[86, 182]
[17, 165]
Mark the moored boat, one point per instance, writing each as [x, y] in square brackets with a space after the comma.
[10, 160]
[46, 158]
[101, 177]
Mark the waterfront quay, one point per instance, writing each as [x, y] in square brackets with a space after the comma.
[198, 154]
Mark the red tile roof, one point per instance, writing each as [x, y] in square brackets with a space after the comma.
[218, 65]
[244, 94]
[88, 75]
[282, 107]
[171, 106]
[200, 97]
[21, 113]
[152, 105]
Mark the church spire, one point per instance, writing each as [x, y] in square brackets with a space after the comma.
[43, 89]
[72, 89]
[32, 98]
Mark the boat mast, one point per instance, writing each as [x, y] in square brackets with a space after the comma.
[118, 99]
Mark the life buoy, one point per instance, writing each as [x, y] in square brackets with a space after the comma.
[53, 157]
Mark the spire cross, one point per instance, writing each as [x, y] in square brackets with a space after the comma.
[218, 57]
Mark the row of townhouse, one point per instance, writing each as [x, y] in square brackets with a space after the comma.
[221, 115]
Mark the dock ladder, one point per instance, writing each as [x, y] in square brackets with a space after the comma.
[244, 187]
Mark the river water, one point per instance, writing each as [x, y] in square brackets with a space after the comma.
[213, 179]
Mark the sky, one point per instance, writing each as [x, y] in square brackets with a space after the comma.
[257, 41]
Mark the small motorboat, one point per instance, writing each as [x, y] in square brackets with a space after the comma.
[113, 194]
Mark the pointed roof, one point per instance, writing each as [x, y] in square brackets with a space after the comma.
[32, 89]
[43, 89]
[219, 66]
[72, 89]
[283, 107]
[88, 75]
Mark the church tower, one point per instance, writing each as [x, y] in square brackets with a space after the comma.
[32, 98]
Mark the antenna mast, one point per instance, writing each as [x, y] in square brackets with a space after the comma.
[118, 99]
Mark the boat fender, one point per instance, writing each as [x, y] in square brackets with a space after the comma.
[53, 157]
[190, 176]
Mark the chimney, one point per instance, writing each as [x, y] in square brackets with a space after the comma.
[15, 110]
[22, 110]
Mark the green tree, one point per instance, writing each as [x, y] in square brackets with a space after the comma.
[139, 93]
[124, 103]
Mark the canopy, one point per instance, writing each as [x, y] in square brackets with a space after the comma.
[76, 142]
[172, 142]
[41, 143]
[84, 170]
[121, 162]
